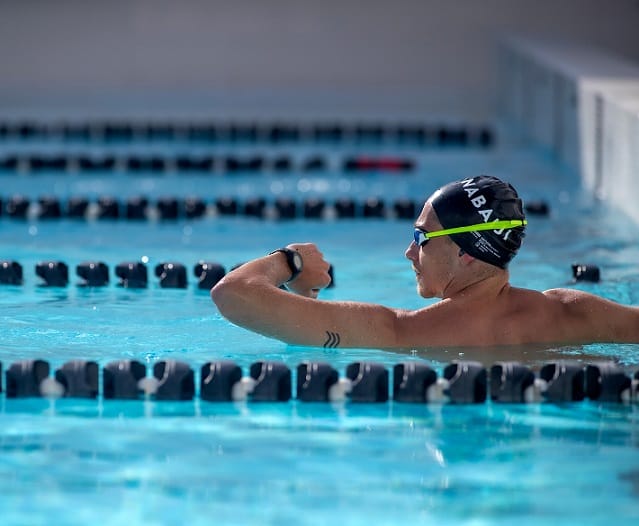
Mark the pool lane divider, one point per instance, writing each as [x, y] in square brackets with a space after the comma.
[134, 274]
[222, 165]
[131, 274]
[462, 382]
[140, 208]
[125, 131]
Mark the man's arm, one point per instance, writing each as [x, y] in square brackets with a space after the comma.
[250, 297]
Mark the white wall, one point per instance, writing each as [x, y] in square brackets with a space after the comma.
[582, 106]
[280, 57]
[620, 149]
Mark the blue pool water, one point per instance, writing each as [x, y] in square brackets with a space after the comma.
[71, 461]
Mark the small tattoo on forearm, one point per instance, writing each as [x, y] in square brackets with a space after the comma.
[332, 339]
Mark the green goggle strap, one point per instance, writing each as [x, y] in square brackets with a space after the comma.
[495, 225]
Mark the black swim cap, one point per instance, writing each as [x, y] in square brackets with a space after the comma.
[481, 199]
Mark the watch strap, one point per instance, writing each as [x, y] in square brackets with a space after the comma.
[290, 260]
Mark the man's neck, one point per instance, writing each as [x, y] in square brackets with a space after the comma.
[482, 287]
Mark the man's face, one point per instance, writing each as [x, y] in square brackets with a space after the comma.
[434, 263]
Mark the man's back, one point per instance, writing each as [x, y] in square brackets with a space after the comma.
[519, 316]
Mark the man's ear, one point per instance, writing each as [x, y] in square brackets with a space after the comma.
[465, 259]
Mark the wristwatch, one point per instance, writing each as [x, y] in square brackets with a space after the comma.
[294, 260]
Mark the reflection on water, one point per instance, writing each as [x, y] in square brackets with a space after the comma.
[52, 295]
[531, 354]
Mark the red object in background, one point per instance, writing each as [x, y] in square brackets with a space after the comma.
[379, 164]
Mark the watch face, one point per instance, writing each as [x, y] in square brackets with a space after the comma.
[297, 261]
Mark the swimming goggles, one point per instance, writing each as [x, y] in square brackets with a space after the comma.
[421, 237]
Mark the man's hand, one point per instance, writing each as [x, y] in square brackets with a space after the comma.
[314, 275]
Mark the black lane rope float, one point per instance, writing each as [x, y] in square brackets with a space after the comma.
[419, 134]
[462, 382]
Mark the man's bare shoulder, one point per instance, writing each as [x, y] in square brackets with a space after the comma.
[565, 294]
[599, 319]
[573, 297]
[580, 302]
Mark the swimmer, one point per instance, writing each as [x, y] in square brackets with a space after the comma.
[463, 240]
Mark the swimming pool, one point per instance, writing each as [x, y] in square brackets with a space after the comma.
[109, 461]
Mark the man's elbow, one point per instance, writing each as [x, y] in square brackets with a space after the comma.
[232, 298]
[220, 294]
